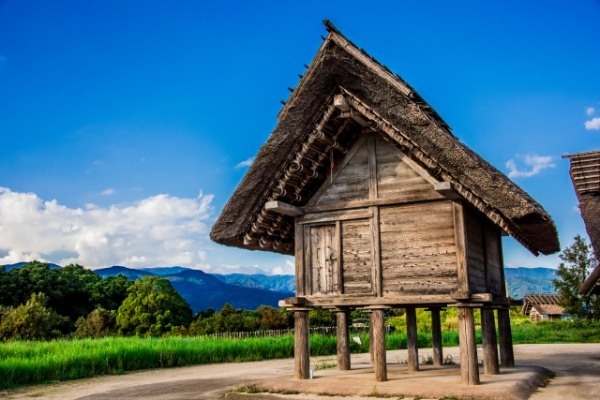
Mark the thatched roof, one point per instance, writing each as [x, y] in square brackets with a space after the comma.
[313, 135]
[585, 174]
[543, 303]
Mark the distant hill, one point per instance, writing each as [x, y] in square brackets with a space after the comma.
[202, 290]
[280, 283]
[522, 281]
[129, 273]
[8, 267]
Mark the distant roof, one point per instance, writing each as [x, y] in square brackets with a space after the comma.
[585, 174]
[313, 135]
[541, 302]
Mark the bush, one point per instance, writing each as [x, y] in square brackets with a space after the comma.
[99, 323]
[31, 321]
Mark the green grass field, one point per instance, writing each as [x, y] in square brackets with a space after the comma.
[25, 363]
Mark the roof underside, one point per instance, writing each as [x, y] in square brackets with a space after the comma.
[585, 174]
[314, 134]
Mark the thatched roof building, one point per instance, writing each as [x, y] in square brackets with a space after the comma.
[585, 174]
[542, 306]
[314, 135]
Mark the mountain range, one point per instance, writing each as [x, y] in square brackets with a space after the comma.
[203, 290]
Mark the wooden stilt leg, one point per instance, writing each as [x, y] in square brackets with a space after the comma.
[343, 342]
[371, 354]
[469, 369]
[378, 345]
[411, 339]
[301, 344]
[436, 337]
[507, 357]
[490, 345]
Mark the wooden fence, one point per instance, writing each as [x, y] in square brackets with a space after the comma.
[325, 330]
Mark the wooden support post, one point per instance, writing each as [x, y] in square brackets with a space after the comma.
[343, 340]
[371, 354]
[301, 344]
[469, 369]
[507, 357]
[436, 337]
[412, 344]
[378, 344]
[490, 345]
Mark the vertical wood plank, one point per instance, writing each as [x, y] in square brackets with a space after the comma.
[377, 321]
[469, 369]
[299, 258]
[376, 252]
[486, 262]
[338, 274]
[411, 339]
[308, 273]
[461, 251]
[343, 340]
[301, 344]
[371, 346]
[436, 337]
[507, 357]
[490, 345]
[372, 168]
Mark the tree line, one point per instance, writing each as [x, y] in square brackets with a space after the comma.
[38, 302]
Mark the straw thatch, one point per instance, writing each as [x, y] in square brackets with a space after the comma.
[585, 174]
[312, 138]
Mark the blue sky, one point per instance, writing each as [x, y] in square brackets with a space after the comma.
[126, 125]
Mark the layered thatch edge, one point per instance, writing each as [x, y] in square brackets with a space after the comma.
[583, 165]
[340, 64]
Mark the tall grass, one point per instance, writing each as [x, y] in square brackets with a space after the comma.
[24, 363]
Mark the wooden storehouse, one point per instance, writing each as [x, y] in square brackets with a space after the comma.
[585, 174]
[542, 307]
[382, 206]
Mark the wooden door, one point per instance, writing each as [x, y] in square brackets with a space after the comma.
[324, 259]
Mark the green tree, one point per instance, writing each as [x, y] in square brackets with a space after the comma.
[74, 295]
[273, 318]
[571, 273]
[31, 321]
[99, 323]
[109, 293]
[320, 317]
[153, 307]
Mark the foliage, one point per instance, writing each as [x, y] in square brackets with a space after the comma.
[153, 307]
[99, 323]
[571, 273]
[31, 321]
[318, 317]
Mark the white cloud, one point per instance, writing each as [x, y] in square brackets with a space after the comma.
[593, 124]
[246, 163]
[288, 269]
[590, 111]
[160, 230]
[108, 192]
[533, 165]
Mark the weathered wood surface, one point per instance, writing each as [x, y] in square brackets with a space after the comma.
[323, 258]
[475, 300]
[460, 233]
[343, 340]
[490, 344]
[283, 208]
[418, 249]
[378, 343]
[507, 357]
[301, 287]
[436, 337]
[301, 345]
[469, 368]
[494, 260]
[352, 182]
[357, 257]
[412, 344]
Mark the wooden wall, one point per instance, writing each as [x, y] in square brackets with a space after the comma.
[379, 228]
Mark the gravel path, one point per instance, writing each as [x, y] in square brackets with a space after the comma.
[577, 369]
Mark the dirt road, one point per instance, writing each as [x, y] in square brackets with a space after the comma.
[577, 369]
